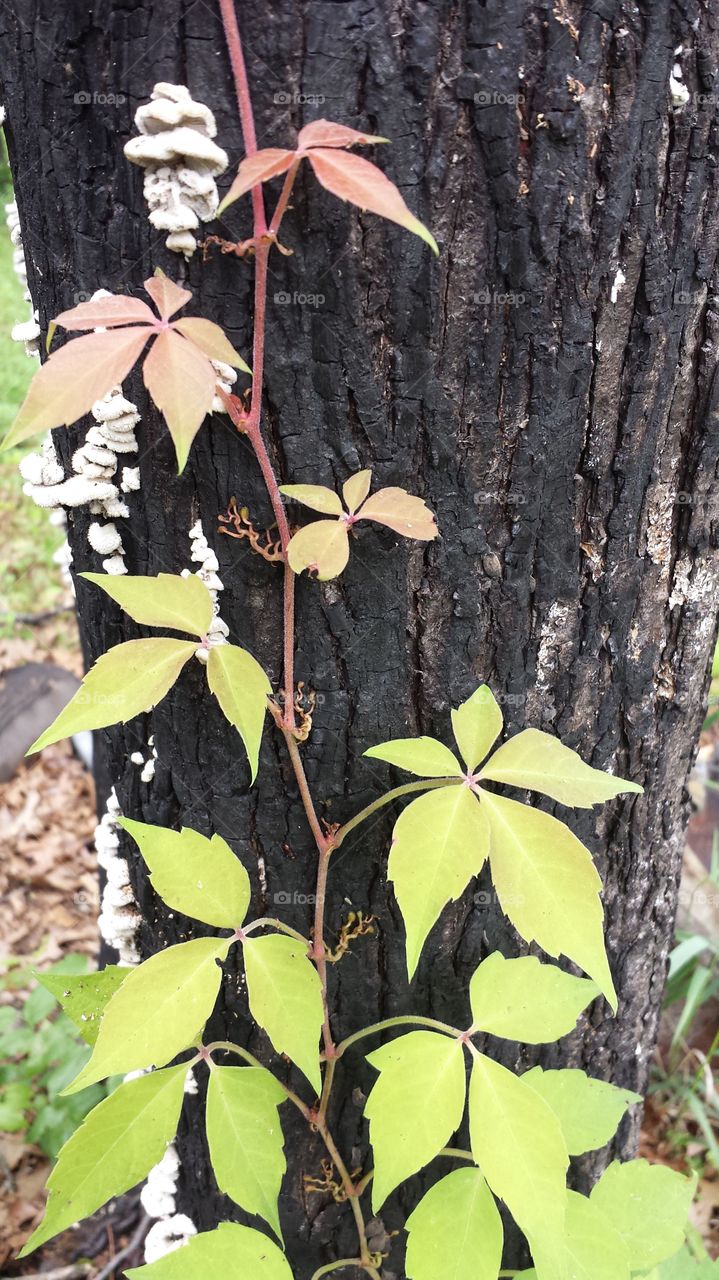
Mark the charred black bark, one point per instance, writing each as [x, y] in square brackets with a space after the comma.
[548, 386]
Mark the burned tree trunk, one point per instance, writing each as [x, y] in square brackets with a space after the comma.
[548, 385]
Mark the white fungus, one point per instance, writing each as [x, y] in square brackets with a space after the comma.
[167, 1235]
[619, 281]
[26, 331]
[181, 162]
[201, 553]
[119, 917]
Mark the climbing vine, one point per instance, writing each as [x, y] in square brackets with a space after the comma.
[142, 1022]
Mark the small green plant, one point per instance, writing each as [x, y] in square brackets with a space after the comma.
[523, 1127]
[40, 1052]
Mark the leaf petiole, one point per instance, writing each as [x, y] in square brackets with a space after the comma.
[403, 1020]
[408, 789]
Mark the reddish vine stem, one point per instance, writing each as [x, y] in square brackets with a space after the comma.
[250, 424]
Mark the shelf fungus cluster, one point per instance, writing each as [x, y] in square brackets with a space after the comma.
[201, 553]
[95, 482]
[176, 150]
[26, 331]
[158, 1198]
[119, 918]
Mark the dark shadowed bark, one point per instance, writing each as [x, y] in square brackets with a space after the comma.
[548, 385]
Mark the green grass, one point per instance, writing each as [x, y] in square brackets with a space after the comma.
[29, 580]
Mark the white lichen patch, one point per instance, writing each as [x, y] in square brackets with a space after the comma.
[660, 519]
[551, 638]
[119, 918]
[181, 162]
[618, 283]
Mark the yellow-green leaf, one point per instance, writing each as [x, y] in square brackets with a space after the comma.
[115, 1147]
[648, 1204]
[355, 490]
[316, 496]
[285, 997]
[477, 724]
[539, 762]
[415, 1106]
[127, 680]
[526, 1000]
[590, 1250]
[84, 996]
[455, 1232]
[323, 547]
[242, 689]
[402, 512]
[424, 756]
[168, 600]
[199, 876]
[440, 842]
[588, 1110]
[518, 1144]
[245, 1139]
[232, 1252]
[548, 886]
[160, 1009]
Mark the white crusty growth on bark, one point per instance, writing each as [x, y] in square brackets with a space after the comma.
[26, 331]
[201, 553]
[119, 918]
[181, 162]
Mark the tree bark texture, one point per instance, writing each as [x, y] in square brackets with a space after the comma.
[548, 385]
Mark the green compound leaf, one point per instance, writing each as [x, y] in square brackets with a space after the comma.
[518, 1144]
[683, 1266]
[285, 996]
[159, 1010]
[440, 842]
[115, 1147]
[477, 724]
[648, 1205]
[242, 689]
[588, 1110]
[539, 762]
[424, 756]
[527, 1000]
[245, 1138]
[198, 876]
[84, 996]
[414, 1107]
[548, 885]
[168, 600]
[316, 496]
[127, 680]
[456, 1231]
[591, 1248]
[231, 1252]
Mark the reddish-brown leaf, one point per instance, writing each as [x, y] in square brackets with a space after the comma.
[107, 313]
[352, 178]
[322, 546]
[181, 381]
[402, 512]
[255, 169]
[167, 296]
[74, 377]
[325, 133]
[211, 340]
